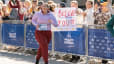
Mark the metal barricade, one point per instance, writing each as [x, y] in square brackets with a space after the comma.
[30, 37]
[13, 33]
[0, 36]
[92, 40]
[70, 41]
[100, 42]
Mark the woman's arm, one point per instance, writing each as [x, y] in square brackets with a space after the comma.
[53, 20]
[34, 19]
[14, 6]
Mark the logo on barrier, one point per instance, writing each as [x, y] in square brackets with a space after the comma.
[69, 40]
[12, 35]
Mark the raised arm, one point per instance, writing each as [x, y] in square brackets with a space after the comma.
[14, 6]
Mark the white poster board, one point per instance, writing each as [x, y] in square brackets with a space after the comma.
[66, 18]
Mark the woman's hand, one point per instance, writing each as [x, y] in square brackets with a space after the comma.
[37, 27]
[50, 21]
[84, 14]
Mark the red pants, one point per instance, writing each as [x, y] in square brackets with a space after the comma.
[43, 38]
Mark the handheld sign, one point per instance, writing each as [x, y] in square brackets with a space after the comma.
[66, 18]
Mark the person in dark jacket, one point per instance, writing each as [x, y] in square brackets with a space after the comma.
[110, 25]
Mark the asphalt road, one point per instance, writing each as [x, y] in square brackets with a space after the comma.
[19, 58]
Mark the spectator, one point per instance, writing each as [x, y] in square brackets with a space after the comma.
[27, 14]
[40, 3]
[35, 1]
[110, 7]
[110, 25]
[1, 3]
[100, 1]
[50, 2]
[97, 9]
[52, 7]
[27, 4]
[19, 7]
[88, 13]
[103, 16]
[62, 5]
[75, 5]
[33, 9]
[6, 12]
[79, 11]
[1, 13]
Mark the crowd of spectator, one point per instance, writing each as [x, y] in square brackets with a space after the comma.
[98, 12]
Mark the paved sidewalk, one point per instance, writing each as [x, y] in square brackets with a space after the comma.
[18, 58]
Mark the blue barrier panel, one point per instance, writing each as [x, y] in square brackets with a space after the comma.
[101, 44]
[13, 34]
[30, 38]
[70, 41]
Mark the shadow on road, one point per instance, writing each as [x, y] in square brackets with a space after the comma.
[25, 58]
[18, 57]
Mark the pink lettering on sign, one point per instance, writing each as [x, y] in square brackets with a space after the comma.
[66, 22]
[66, 13]
[66, 16]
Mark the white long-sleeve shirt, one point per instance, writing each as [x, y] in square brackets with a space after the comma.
[89, 18]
